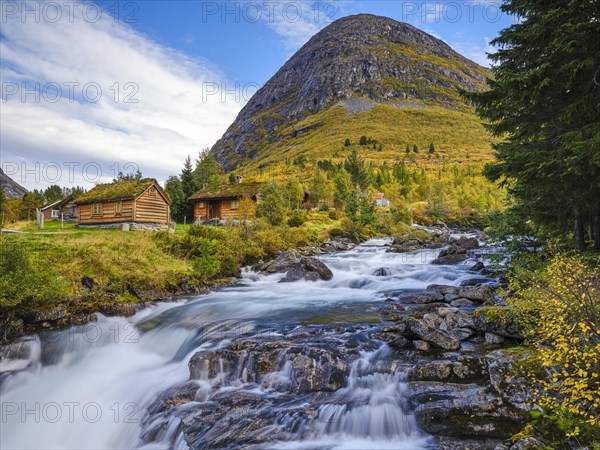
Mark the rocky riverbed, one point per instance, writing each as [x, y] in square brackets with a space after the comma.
[384, 345]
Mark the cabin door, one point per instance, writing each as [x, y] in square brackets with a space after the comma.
[214, 210]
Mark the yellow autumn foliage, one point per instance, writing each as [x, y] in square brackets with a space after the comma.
[561, 313]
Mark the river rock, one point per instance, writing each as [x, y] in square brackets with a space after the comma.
[443, 289]
[498, 320]
[55, 313]
[432, 335]
[512, 387]
[420, 297]
[479, 293]
[318, 370]
[492, 338]
[477, 267]
[461, 302]
[448, 259]
[466, 243]
[297, 267]
[465, 411]
[421, 345]
[457, 319]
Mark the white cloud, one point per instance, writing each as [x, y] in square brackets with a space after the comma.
[474, 50]
[297, 21]
[175, 107]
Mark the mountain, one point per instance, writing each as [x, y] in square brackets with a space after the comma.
[10, 187]
[361, 75]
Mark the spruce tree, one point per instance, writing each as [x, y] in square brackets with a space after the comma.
[544, 102]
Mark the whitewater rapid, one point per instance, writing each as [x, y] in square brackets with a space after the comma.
[89, 387]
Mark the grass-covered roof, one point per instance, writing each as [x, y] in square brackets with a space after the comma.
[120, 190]
[228, 191]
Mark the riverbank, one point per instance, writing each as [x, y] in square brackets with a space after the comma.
[61, 279]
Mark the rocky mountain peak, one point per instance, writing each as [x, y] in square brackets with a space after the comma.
[362, 56]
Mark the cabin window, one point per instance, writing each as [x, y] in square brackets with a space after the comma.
[118, 208]
[97, 209]
[55, 213]
[152, 192]
[235, 204]
[201, 205]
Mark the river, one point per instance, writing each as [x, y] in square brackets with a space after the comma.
[91, 386]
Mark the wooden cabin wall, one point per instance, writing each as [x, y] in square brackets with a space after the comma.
[108, 213]
[151, 208]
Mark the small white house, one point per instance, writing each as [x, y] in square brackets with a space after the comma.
[381, 199]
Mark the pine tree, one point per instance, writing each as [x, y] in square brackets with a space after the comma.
[407, 149]
[545, 102]
[208, 171]
[189, 186]
[357, 169]
[431, 149]
[347, 143]
[416, 148]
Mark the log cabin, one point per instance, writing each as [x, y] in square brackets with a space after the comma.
[64, 209]
[222, 203]
[130, 204]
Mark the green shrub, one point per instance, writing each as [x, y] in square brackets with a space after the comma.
[298, 218]
[26, 279]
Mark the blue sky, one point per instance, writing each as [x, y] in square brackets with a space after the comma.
[88, 88]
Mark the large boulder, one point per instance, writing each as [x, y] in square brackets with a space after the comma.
[499, 320]
[432, 335]
[481, 293]
[451, 255]
[297, 267]
[466, 243]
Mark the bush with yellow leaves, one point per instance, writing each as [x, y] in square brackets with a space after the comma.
[560, 311]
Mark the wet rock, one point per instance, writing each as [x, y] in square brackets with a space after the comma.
[318, 370]
[432, 335]
[479, 293]
[443, 289]
[454, 258]
[399, 245]
[461, 334]
[421, 345]
[55, 313]
[528, 443]
[421, 297]
[461, 370]
[398, 342]
[477, 266]
[466, 243]
[297, 267]
[492, 338]
[511, 386]
[499, 320]
[465, 411]
[476, 281]
[461, 302]
[10, 326]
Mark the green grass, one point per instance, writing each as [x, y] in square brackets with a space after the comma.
[458, 137]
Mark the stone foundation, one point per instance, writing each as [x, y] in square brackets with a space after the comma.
[126, 226]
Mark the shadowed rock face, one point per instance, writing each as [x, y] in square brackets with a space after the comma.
[364, 56]
[11, 188]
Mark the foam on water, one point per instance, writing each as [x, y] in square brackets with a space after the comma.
[90, 386]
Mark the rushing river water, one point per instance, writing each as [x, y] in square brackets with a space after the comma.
[91, 386]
